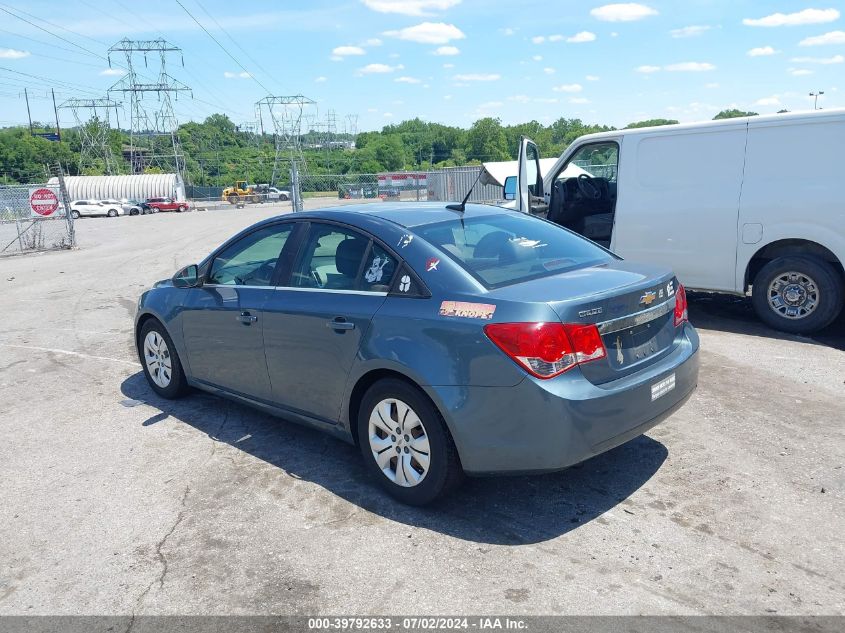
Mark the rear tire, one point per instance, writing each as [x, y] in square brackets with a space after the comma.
[181, 208]
[419, 462]
[797, 294]
[133, 212]
[233, 199]
[112, 213]
[160, 361]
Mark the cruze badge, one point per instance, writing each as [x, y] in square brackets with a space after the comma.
[648, 298]
[591, 312]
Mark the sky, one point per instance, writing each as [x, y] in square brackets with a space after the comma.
[449, 61]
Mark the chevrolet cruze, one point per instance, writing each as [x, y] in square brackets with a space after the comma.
[440, 341]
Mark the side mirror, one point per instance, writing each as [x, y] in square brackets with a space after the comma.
[509, 188]
[188, 277]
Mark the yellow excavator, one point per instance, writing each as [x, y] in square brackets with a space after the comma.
[241, 193]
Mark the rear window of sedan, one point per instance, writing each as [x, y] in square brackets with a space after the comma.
[500, 250]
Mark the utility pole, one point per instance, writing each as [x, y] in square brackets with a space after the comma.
[160, 121]
[286, 113]
[816, 95]
[28, 115]
[56, 112]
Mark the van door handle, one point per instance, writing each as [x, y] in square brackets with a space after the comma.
[340, 323]
[246, 318]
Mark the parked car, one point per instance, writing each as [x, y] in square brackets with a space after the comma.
[442, 342]
[90, 208]
[166, 204]
[134, 207]
[273, 194]
[724, 203]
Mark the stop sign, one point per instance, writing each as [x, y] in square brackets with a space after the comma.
[43, 201]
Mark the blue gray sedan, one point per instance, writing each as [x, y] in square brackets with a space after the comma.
[441, 342]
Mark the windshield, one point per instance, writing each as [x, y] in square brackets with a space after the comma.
[500, 250]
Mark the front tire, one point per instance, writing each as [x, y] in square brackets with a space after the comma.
[160, 361]
[797, 294]
[406, 444]
[112, 213]
[74, 215]
[181, 208]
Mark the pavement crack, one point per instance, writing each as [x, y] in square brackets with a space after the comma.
[165, 567]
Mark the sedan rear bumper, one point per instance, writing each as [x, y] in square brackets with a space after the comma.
[547, 425]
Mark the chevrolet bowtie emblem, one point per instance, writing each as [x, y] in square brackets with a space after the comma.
[648, 298]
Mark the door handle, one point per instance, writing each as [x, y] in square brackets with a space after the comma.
[246, 318]
[340, 323]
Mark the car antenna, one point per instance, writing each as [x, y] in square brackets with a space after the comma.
[460, 208]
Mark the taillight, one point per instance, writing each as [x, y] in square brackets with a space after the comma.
[681, 313]
[546, 350]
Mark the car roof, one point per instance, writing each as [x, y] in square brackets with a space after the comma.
[406, 214]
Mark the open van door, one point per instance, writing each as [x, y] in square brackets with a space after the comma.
[530, 179]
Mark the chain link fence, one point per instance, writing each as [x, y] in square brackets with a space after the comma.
[33, 217]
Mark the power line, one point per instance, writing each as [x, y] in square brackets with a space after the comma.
[64, 39]
[223, 48]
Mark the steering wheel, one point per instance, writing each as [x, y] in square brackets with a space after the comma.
[263, 273]
[588, 188]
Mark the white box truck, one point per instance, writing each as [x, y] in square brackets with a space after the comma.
[752, 205]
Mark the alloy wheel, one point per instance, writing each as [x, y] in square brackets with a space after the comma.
[793, 295]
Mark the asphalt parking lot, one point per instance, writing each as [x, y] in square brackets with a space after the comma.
[114, 501]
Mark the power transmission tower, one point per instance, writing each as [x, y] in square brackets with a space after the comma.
[94, 130]
[151, 121]
[285, 114]
[251, 130]
[352, 128]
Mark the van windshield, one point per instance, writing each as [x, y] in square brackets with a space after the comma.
[501, 250]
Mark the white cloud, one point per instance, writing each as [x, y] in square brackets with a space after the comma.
[647, 70]
[836, 59]
[373, 41]
[407, 80]
[580, 38]
[410, 7]
[689, 67]
[711, 85]
[689, 31]
[490, 105]
[113, 72]
[579, 100]
[568, 88]
[372, 110]
[343, 51]
[240, 75]
[448, 65]
[447, 97]
[762, 51]
[379, 69]
[12, 53]
[387, 115]
[807, 16]
[622, 12]
[549, 71]
[538, 39]
[555, 38]
[537, 58]
[834, 37]
[507, 31]
[447, 50]
[336, 58]
[428, 33]
[768, 101]
[520, 98]
[320, 80]
[799, 72]
[592, 78]
[478, 77]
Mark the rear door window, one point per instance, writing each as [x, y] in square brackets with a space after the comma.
[500, 250]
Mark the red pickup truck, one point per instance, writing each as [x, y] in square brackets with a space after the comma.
[165, 204]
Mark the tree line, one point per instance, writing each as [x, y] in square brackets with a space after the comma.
[217, 153]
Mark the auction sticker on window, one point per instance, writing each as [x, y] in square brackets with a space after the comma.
[467, 310]
[663, 387]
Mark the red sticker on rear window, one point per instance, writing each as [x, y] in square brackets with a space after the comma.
[467, 310]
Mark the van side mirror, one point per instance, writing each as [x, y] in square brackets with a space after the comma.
[188, 277]
[509, 188]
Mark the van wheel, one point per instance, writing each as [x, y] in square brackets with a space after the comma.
[405, 443]
[797, 294]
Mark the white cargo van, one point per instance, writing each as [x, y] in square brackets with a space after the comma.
[743, 205]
